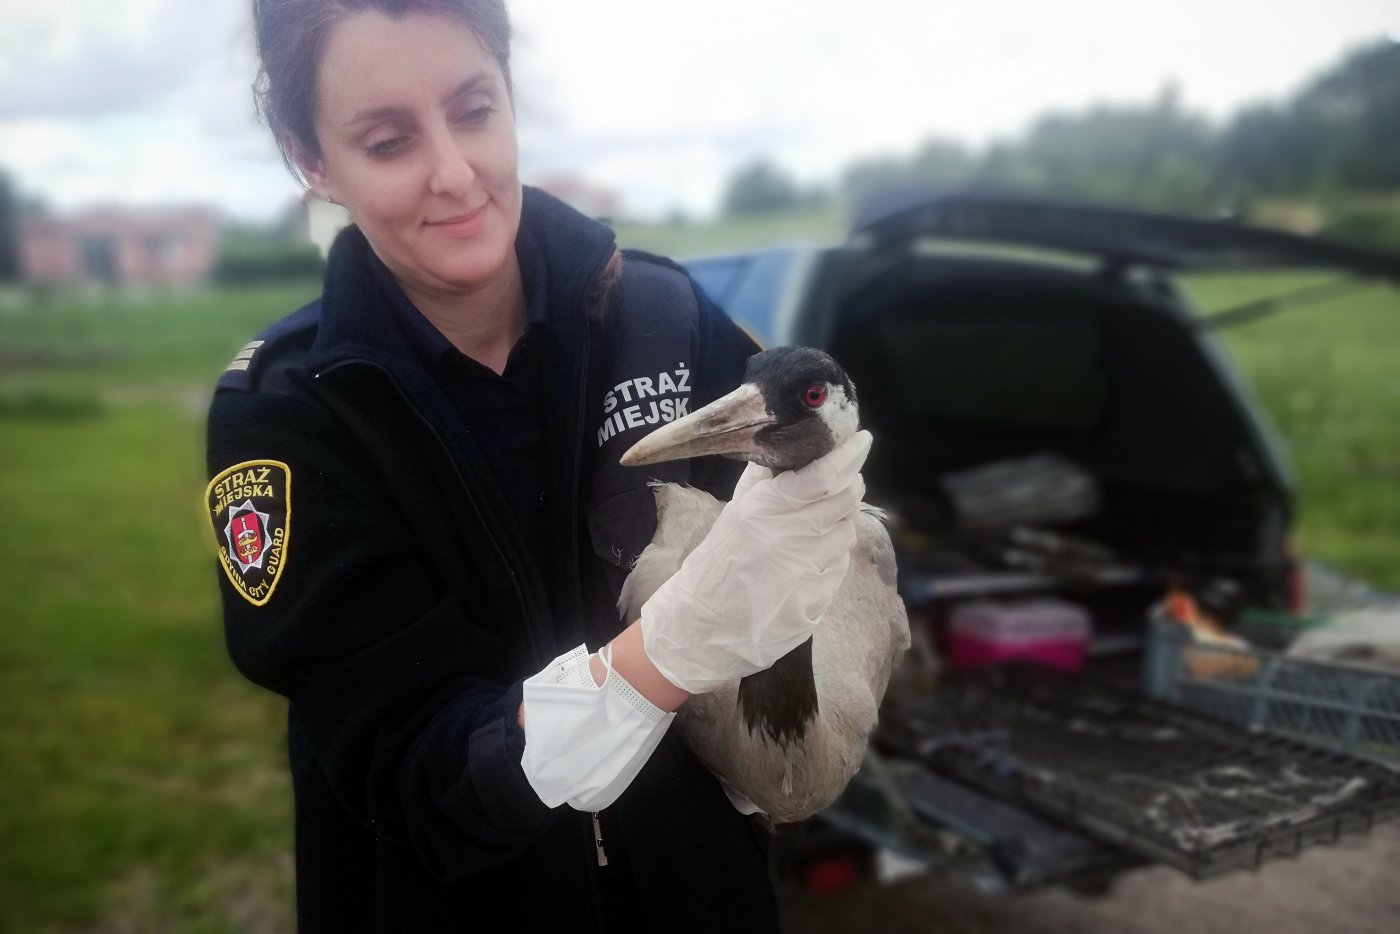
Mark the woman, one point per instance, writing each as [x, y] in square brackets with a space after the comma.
[418, 505]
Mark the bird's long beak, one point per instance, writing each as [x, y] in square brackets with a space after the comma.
[726, 426]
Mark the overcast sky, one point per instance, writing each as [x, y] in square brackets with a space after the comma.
[147, 100]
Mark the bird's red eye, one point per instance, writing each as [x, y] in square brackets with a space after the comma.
[814, 396]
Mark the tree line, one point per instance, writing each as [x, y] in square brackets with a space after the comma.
[1335, 142]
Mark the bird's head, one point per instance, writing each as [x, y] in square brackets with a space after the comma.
[795, 404]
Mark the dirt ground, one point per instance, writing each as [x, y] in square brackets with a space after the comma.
[1350, 888]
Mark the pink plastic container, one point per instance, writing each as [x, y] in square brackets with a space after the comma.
[1045, 632]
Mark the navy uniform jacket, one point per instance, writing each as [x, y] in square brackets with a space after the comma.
[372, 574]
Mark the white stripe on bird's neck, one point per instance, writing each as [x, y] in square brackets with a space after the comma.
[840, 412]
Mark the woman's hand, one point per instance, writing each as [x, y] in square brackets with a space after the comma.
[760, 582]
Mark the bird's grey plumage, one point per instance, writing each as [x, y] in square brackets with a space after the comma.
[790, 737]
[854, 651]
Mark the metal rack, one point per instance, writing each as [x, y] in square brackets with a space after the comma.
[1197, 794]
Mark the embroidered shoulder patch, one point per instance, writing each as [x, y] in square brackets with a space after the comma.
[250, 505]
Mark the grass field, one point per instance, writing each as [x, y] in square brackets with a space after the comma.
[143, 787]
[1328, 377]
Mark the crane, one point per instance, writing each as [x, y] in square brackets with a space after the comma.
[787, 739]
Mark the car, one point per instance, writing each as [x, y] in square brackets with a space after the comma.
[1055, 420]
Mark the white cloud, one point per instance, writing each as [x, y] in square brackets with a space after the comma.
[141, 160]
[89, 59]
[149, 99]
[818, 83]
[136, 101]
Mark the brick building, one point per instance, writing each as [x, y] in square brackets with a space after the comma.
[120, 247]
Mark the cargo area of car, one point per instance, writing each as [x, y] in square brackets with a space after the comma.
[1054, 445]
[964, 364]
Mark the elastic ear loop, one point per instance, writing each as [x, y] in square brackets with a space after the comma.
[605, 656]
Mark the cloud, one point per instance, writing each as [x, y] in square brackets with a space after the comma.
[78, 63]
[136, 101]
[659, 100]
[142, 160]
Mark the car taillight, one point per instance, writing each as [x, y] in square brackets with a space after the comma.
[831, 875]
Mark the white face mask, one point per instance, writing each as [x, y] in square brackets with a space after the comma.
[585, 742]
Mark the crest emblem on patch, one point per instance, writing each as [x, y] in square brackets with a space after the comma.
[250, 505]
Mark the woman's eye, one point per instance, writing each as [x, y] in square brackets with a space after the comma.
[478, 115]
[814, 396]
[386, 147]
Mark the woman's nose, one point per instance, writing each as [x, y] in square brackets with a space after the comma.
[451, 171]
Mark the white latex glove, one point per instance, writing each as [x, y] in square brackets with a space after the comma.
[764, 576]
[586, 742]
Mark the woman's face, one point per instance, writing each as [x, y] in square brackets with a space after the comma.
[417, 137]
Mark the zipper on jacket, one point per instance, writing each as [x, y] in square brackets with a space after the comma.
[580, 417]
[598, 840]
[597, 836]
[466, 490]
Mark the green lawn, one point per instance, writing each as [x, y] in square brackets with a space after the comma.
[143, 782]
[133, 345]
[1329, 378]
[822, 225]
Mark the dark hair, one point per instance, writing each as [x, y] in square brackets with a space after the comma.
[292, 34]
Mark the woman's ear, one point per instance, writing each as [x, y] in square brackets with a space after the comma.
[312, 168]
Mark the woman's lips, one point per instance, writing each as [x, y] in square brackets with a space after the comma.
[461, 225]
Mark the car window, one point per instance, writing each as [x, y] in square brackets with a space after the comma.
[749, 288]
[716, 277]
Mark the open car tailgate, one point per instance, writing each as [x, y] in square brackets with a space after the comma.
[1146, 238]
[1167, 785]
